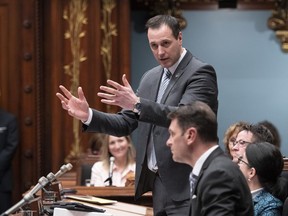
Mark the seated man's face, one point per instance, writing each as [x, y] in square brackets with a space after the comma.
[177, 142]
[243, 139]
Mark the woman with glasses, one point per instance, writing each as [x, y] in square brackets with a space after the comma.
[231, 135]
[250, 133]
[262, 164]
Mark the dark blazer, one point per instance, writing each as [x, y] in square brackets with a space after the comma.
[8, 145]
[221, 189]
[193, 80]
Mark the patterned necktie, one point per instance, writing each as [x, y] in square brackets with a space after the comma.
[193, 178]
[164, 83]
[152, 162]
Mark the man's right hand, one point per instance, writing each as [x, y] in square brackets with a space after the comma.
[76, 107]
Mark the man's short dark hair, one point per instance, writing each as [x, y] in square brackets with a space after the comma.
[159, 20]
[260, 133]
[200, 116]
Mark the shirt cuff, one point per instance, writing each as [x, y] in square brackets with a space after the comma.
[89, 118]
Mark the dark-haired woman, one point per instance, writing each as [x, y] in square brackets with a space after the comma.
[262, 164]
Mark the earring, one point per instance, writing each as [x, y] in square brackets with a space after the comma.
[249, 179]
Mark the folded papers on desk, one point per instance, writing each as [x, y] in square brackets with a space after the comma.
[76, 206]
[66, 212]
[91, 199]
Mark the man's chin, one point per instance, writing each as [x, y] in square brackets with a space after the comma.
[176, 159]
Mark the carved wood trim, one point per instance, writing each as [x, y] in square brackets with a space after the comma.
[208, 4]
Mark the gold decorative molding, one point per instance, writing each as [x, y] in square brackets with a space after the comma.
[171, 7]
[279, 22]
[109, 30]
[207, 4]
[75, 16]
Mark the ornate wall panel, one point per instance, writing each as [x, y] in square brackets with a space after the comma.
[203, 4]
[37, 55]
[10, 75]
[98, 50]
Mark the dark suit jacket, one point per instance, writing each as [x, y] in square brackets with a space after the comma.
[193, 80]
[221, 189]
[8, 145]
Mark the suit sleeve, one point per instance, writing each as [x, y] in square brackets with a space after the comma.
[120, 124]
[219, 194]
[10, 139]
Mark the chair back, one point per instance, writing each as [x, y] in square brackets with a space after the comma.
[285, 207]
[83, 168]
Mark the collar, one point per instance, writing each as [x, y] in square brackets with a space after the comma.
[256, 192]
[199, 163]
[173, 68]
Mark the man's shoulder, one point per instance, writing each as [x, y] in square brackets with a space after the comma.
[6, 117]
[223, 164]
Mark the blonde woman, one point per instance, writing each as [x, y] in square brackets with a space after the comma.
[122, 151]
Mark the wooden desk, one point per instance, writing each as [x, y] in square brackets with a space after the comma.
[68, 179]
[117, 209]
[285, 168]
[122, 194]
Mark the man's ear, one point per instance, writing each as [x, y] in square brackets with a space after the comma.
[191, 134]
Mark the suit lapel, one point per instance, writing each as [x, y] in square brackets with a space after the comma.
[153, 80]
[176, 75]
[207, 162]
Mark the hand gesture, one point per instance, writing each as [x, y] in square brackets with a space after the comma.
[118, 95]
[76, 107]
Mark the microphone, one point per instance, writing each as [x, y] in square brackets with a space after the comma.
[52, 177]
[42, 182]
[25, 200]
[63, 169]
[112, 159]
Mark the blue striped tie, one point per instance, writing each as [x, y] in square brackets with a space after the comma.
[164, 83]
[152, 163]
[192, 178]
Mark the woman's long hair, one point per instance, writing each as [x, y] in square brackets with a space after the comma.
[268, 162]
[105, 154]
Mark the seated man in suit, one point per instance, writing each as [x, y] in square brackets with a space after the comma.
[9, 139]
[217, 185]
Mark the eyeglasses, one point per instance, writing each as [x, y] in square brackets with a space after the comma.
[241, 143]
[240, 159]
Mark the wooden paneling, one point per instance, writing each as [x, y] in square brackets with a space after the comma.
[9, 55]
[59, 134]
[32, 57]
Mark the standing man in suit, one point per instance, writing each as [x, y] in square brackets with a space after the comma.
[217, 185]
[180, 79]
[8, 145]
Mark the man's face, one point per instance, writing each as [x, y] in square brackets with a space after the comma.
[165, 47]
[243, 139]
[177, 142]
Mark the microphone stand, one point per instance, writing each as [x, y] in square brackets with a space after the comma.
[111, 159]
[42, 182]
[109, 179]
[26, 199]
